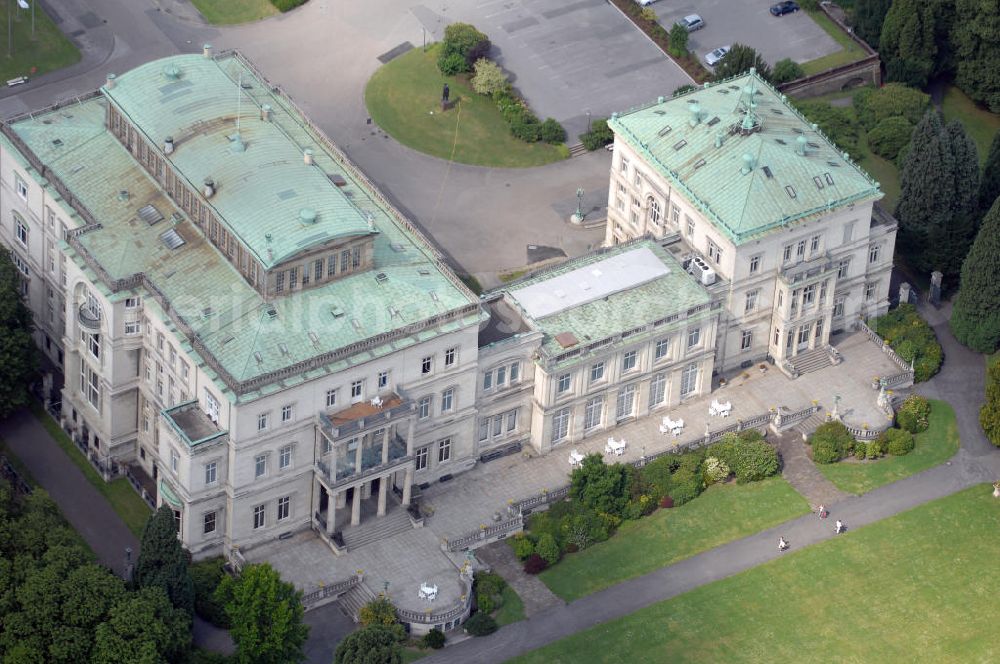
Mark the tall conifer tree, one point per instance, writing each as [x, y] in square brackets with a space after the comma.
[975, 319]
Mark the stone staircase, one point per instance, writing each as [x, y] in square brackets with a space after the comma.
[375, 528]
[810, 360]
[812, 423]
[352, 601]
[577, 150]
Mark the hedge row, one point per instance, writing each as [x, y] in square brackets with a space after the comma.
[912, 338]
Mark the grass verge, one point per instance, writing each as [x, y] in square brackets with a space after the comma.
[412, 654]
[981, 125]
[850, 51]
[909, 588]
[47, 50]
[126, 503]
[512, 608]
[404, 99]
[227, 12]
[722, 514]
[934, 446]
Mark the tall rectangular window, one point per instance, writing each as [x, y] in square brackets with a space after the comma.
[331, 398]
[560, 425]
[420, 458]
[689, 379]
[746, 340]
[751, 300]
[284, 507]
[870, 292]
[662, 349]
[786, 253]
[873, 253]
[424, 408]
[629, 360]
[261, 421]
[714, 252]
[800, 249]
[211, 472]
[448, 400]
[287, 413]
[444, 450]
[260, 465]
[596, 372]
[285, 457]
[484, 429]
[808, 295]
[838, 305]
[563, 383]
[754, 264]
[626, 402]
[843, 268]
[488, 381]
[21, 186]
[357, 389]
[209, 523]
[694, 336]
[426, 365]
[657, 389]
[449, 356]
[689, 220]
[21, 230]
[848, 232]
[592, 413]
[258, 517]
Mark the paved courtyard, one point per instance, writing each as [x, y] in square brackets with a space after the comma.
[749, 22]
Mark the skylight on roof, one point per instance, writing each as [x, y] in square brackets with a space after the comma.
[828, 177]
[777, 111]
[171, 239]
[679, 144]
[698, 164]
[663, 132]
[819, 182]
[814, 146]
[767, 172]
[790, 190]
[796, 130]
[833, 163]
[780, 141]
[272, 313]
[150, 214]
[714, 121]
[381, 277]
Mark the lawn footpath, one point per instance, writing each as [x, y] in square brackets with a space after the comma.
[723, 513]
[404, 100]
[32, 55]
[915, 587]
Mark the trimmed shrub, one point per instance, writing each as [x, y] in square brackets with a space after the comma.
[534, 564]
[830, 442]
[548, 549]
[433, 639]
[451, 64]
[601, 487]
[600, 134]
[683, 89]
[889, 136]
[466, 42]
[656, 477]
[874, 449]
[287, 5]
[489, 77]
[489, 583]
[892, 100]
[523, 546]
[583, 527]
[666, 502]
[379, 611]
[914, 413]
[687, 486]
[678, 41]
[836, 122]
[748, 456]
[480, 624]
[860, 451]
[989, 414]
[551, 131]
[715, 470]
[898, 442]
[787, 70]
[206, 575]
[485, 604]
[912, 338]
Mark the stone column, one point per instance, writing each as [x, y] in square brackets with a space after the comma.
[386, 437]
[904, 293]
[340, 499]
[382, 490]
[407, 483]
[409, 434]
[356, 507]
[317, 488]
[357, 455]
[331, 514]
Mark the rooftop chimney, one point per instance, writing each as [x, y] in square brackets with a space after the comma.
[748, 163]
[307, 157]
[695, 110]
[265, 112]
[719, 138]
[800, 145]
[206, 50]
[168, 145]
[110, 82]
[209, 189]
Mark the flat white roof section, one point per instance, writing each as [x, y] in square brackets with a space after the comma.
[589, 283]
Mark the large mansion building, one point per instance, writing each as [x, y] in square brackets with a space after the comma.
[240, 315]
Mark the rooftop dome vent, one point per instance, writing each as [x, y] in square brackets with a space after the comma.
[800, 145]
[748, 163]
[172, 72]
[695, 110]
[307, 216]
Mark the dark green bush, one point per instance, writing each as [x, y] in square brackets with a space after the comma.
[433, 639]
[890, 136]
[656, 477]
[551, 131]
[687, 486]
[600, 134]
[914, 413]
[529, 132]
[682, 89]
[490, 583]
[548, 549]
[601, 487]
[287, 5]
[892, 100]
[912, 338]
[583, 527]
[464, 42]
[786, 70]
[523, 546]
[451, 64]
[480, 624]
[874, 449]
[206, 575]
[830, 442]
[989, 414]
[837, 123]
[747, 455]
[898, 442]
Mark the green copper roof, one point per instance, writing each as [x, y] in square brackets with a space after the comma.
[407, 297]
[744, 172]
[263, 187]
[592, 314]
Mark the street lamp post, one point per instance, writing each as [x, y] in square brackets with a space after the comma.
[588, 120]
[579, 203]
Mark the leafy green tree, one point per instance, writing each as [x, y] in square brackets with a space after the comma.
[914, 41]
[489, 77]
[379, 611]
[163, 562]
[989, 414]
[976, 41]
[739, 60]
[890, 101]
[678, 44]
[18, 355]
[143, 628]
[927, 185]
[890, 136]
[965, 199]
[375, 644]
[464, 40]
[837, 123]
[989, 184]
[598, 486]
[975, 317]
[868, 18]
[266, 615]
[786, 70]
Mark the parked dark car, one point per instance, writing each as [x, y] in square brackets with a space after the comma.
[783, 8]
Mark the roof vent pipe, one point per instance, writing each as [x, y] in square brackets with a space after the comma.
[209, 189]
[748, 163]
[307, 157]
[168, 145]
[719, 137]
[265, 112]
[800, 145]
[110, 82]
[695, 110]
[206, 50]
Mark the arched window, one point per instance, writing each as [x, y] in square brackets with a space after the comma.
[654, 211]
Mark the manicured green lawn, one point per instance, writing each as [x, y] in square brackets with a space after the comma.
[119, 493]
[918, 587]
[722, 514]
[849, 49]
[512, 608]
[981, 125]
[49, 49]
[225, 12]
[404, 99]
[413, 654]
[934, 446]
